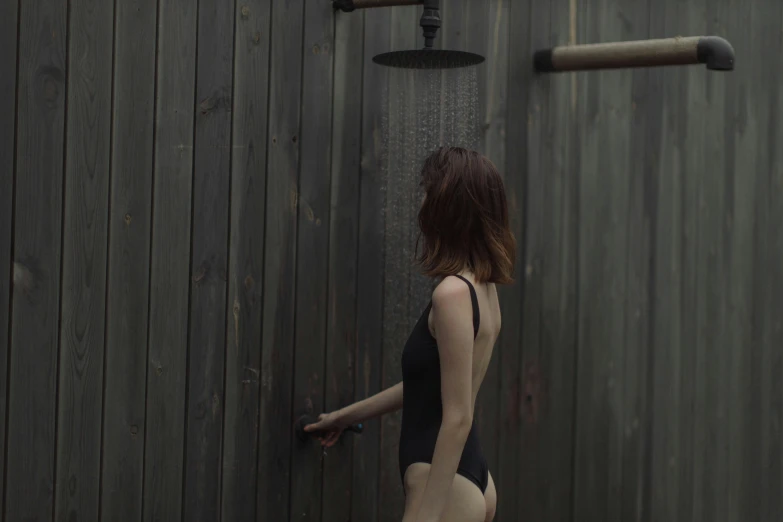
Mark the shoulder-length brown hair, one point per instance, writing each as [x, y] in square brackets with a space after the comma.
[464, 218]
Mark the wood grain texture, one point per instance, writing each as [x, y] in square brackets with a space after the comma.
[9, 14]
[341, 327]
[209, 260]
[85, 242]
[603, 211]
[130, 220]
[494, 75]
[170, 262]
[312, 265]
[509, 343]
[40, 135]
[534, 460]
[246, 258]
[710, 168]
[370, 287]
[645, 115]
[279, 305]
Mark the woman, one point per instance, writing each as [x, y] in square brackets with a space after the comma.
[468, 247]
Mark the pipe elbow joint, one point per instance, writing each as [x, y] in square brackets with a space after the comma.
[716, 52]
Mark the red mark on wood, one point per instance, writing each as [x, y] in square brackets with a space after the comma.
[534, 392]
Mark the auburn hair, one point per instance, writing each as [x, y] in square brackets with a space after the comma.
[463, 220]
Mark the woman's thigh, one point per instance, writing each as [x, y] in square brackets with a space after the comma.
[464, 504]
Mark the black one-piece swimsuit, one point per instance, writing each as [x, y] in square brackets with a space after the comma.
[422, 409]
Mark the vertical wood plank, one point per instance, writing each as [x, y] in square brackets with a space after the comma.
[492, 143]
[770, 234]
[706, 132]
[312, 273]
[82, 315]
[130, 220]
[664, 429]
[9, 19]
[246, 257]
[641, 168]
[369, 298]
[209, 263]
[276, 420]
[509, 343]
[603, 208]
[170, 261]
[398, 271]
[40, 135]
[341, 339]
[533, 460]
[769, 298]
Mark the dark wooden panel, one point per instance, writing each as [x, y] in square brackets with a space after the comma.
[744, 165]
[209, 263]
[170, 261]
[276, 421]
[769, 280]
[603, 213]
[509, 344]
[312, 273]
[82, 313]
[129, 255]
[708, 163]
[534, 460]
[369, 298]
[31, 439]
[494, 76]
[664, 429]
[9, 12]
[245, 276]
[341, 364]
[641, 173]
[398, 305]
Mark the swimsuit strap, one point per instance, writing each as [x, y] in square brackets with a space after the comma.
[474, 300]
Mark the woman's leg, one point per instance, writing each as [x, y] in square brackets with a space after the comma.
[491, 500]
[465, 503]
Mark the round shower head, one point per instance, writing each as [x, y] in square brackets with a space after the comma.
[428, 59]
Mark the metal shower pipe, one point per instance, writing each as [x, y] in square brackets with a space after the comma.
[714, 51]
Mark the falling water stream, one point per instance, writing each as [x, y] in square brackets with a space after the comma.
[426, 109]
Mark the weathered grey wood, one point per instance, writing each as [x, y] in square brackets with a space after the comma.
[534, 460]
[312, 265]
[245, 275]
[84, 239]
[129, 262]
[209, 263]
[32, 387]
[369, 297]
[664, 429]
[279, 304]
[9, 19]
[707, 164]
[603, 209]
[769, 298]
[641, 171]
[492, 144]
[170, 261]
[341, 340]
[509, 342]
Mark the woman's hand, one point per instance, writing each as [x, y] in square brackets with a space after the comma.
[330, 425]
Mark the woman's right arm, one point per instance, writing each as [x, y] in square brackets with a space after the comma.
[387, 401]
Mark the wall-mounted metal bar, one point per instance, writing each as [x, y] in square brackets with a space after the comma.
[713, 51]
[350, 5]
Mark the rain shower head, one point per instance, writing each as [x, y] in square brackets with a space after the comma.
[426, 58]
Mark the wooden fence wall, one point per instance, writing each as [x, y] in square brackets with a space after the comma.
[192, 231]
